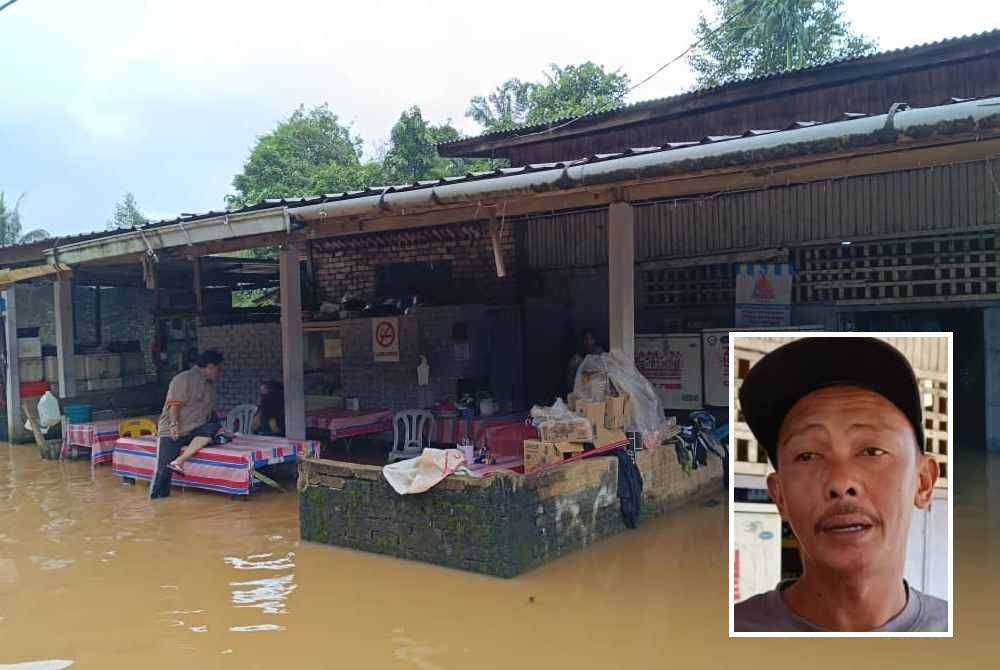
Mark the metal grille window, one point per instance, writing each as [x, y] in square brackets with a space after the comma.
[955, 267]
[710, 284]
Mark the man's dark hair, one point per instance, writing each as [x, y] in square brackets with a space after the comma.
[209, 357]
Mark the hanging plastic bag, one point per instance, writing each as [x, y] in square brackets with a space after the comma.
[48, 412]
[416, 475]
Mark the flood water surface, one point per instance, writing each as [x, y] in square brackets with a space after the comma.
[93, 573]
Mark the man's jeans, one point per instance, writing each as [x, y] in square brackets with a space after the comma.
[167, 449]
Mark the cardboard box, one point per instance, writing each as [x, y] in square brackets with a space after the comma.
[31, 369]
[572, 429]
[606, 436]
[614, 412]
[538, 453]
[594, 411]
[29, 347]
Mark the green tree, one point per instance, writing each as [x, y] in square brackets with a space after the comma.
[127, 214]
[10, 225]
[296, 157]
[503, 109]
[412, 153]
[753, 38]
[570, 91]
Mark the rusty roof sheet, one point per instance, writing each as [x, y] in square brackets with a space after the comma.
[552, 125]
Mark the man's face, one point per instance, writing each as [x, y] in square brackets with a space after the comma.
[589, 343]
[211, 371]
[848, 479]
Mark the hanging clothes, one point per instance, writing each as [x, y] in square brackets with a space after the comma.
[629, 488]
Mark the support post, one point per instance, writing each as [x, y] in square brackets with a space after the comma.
[65, 349]
[291, 342]
[991, 368]
[621, 278]
[13, 382]
[196, 268]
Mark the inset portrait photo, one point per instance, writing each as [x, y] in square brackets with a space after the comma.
[841, 501]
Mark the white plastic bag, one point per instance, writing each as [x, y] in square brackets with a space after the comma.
[416, 475]
[48, 412]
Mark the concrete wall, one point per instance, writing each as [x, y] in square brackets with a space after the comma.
[502, 525]
[126, 314]
[252, 355]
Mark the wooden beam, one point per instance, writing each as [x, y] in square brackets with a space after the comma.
[621, 278]
[65, 348]
[291, 343]
[196, 284]
[13, 384]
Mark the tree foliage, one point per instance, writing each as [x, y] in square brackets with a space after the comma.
[752, 38]
[412, 151]
[127, 214]
[569, 91]
[311, 154]
[10, 224]
[294, 159]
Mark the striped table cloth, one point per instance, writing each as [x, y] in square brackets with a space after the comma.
[451, 429]
[344, 423]
[98, 436]
[227, 468]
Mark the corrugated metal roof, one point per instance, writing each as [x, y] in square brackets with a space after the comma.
[542, 127]
[301, 201]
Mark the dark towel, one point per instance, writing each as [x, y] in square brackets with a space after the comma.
[629, 488]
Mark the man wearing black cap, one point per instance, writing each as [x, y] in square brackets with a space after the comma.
[840, 419]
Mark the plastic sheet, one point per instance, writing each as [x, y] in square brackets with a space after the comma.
[416, 475]
[601, 374]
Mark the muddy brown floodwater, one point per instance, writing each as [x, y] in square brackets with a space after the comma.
[93, 573]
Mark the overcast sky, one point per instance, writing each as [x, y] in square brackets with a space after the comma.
[165, 98]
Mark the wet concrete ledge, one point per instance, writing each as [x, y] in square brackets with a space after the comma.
[502, 525]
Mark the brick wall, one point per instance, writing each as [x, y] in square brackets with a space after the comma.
[502, 525]
[429, 332]
[252, 355]
[348, 264]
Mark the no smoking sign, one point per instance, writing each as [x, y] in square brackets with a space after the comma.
[385, 340]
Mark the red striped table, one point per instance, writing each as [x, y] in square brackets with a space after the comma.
[227, 468]
[345, 423]
[98, 436]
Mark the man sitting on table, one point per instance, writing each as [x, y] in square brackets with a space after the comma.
[187, 419]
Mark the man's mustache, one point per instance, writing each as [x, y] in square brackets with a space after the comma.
[846, 514]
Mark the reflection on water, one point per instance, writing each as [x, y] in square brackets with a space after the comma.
[91, 570]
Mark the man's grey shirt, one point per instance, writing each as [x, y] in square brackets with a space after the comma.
[767, 613]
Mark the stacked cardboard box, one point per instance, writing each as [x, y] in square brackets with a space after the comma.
[598, 423]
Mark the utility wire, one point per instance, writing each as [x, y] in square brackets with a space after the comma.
[749, 6]
[7, 4]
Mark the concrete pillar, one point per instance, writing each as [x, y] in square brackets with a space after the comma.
[991, 376]
[621, 278]
[15, 424]
[63, 288]
[291, 343]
